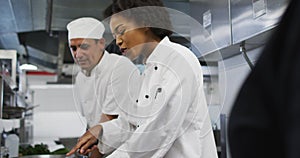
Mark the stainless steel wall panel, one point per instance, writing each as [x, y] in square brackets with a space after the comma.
[67, 10]
[36, 53]
[214, 18]
[39, 13]
[252, 17]
[7, 19]
[181, 24]
[23, 16]
[9, 40]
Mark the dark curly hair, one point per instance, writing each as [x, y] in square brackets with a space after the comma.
[149, 13]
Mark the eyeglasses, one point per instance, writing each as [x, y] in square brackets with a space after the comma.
[81, 46]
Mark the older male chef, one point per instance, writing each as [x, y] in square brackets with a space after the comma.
[103, 84]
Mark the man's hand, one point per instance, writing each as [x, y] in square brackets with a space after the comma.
[86, 141]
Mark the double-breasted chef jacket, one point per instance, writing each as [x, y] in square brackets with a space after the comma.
[170, 118]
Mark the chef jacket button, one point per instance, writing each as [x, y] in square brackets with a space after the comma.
[147, 96]
[138, 126]
[137, 101]
[155, 68]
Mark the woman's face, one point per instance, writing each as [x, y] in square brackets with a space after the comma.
[129, 36]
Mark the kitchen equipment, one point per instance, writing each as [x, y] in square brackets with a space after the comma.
[12, 143]
[54, 156]
[13, 112]
[44, 156]
[69, 143]
[4, 152]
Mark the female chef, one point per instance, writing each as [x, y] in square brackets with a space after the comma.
[170, 116]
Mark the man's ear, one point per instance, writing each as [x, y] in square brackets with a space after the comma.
[102, 41]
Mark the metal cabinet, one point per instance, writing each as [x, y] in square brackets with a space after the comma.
[253, 17]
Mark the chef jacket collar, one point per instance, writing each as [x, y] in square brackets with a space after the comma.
[100, 66]
[158, 53]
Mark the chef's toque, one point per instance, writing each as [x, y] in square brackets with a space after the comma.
[85, 27]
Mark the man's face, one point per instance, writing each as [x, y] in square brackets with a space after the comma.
[87, 52]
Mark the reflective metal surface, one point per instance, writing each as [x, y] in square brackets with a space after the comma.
[214, 17]
[68, 143]
[41, 55]
[3, 151]
[180, 24]
[44, 156]
[67, 10]
[252, 17]
[41, 58]
[11, 56]
[22, 14]
[39, 10]
[7, 21]
[22, 18]
[224, 22]
[9, 40]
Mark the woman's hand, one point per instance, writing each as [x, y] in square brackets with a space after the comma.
[95, 153]
[86, 141]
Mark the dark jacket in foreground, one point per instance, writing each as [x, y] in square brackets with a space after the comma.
[265, 120]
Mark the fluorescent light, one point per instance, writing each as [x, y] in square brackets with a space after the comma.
[28, 67]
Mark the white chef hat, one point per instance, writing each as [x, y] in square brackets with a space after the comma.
[85, 27]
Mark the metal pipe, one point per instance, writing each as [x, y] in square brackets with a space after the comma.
[1, 96]
[223, 134]
[61, 50]
[243, 51]
[1, 105]
[49, 15]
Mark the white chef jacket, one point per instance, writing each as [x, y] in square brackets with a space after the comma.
[107, 88]
[171, 117]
